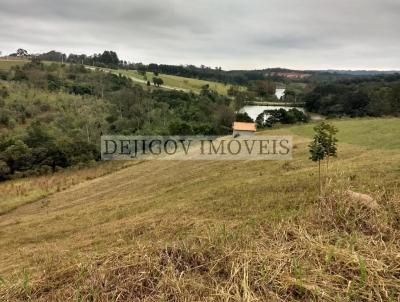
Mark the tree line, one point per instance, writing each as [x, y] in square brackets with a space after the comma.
[110, 59]
[356, 97]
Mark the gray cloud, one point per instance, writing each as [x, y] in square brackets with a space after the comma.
[311, 34]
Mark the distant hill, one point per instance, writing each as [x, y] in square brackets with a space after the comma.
[359, 72]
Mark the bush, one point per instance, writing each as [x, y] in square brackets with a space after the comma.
[4, 92]
[45, 169]
[4, 170]
[18, 156]
[4, 118]
[271, 117]
[180, 128]
[204, 129]
[243, 117]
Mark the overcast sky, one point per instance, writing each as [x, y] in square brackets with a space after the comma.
[233, 34]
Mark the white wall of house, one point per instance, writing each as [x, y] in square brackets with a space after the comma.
[237, 133]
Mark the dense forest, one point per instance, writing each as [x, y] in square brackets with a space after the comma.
[52, 115]
[356, 96]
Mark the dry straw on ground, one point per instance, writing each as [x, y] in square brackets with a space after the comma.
[342, 252]
[215, 231]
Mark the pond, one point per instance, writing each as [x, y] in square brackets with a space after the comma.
[255, 111]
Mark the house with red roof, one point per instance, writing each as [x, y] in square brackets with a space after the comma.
[243, 129]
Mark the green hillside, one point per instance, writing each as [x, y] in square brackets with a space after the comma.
[215, 231]
[52, 115]
[186, 84]
[374, 133]
[7, 64]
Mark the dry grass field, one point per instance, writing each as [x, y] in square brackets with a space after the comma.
[27, 190]
[213, 231]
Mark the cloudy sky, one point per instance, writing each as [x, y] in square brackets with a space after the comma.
[234, 34]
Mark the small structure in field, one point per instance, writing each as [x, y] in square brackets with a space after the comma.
[243, 129]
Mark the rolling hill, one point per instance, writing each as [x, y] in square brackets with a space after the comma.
[175, 82]
[215, 231]
[170, 81]
[7, 64]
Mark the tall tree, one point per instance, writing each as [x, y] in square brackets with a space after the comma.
[21, 52]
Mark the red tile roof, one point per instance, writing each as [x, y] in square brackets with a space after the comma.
[244, 126]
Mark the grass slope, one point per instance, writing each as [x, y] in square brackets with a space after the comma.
[7, 64]
[19, 192]
[186, 84]
[372, 133]
[214, 231]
